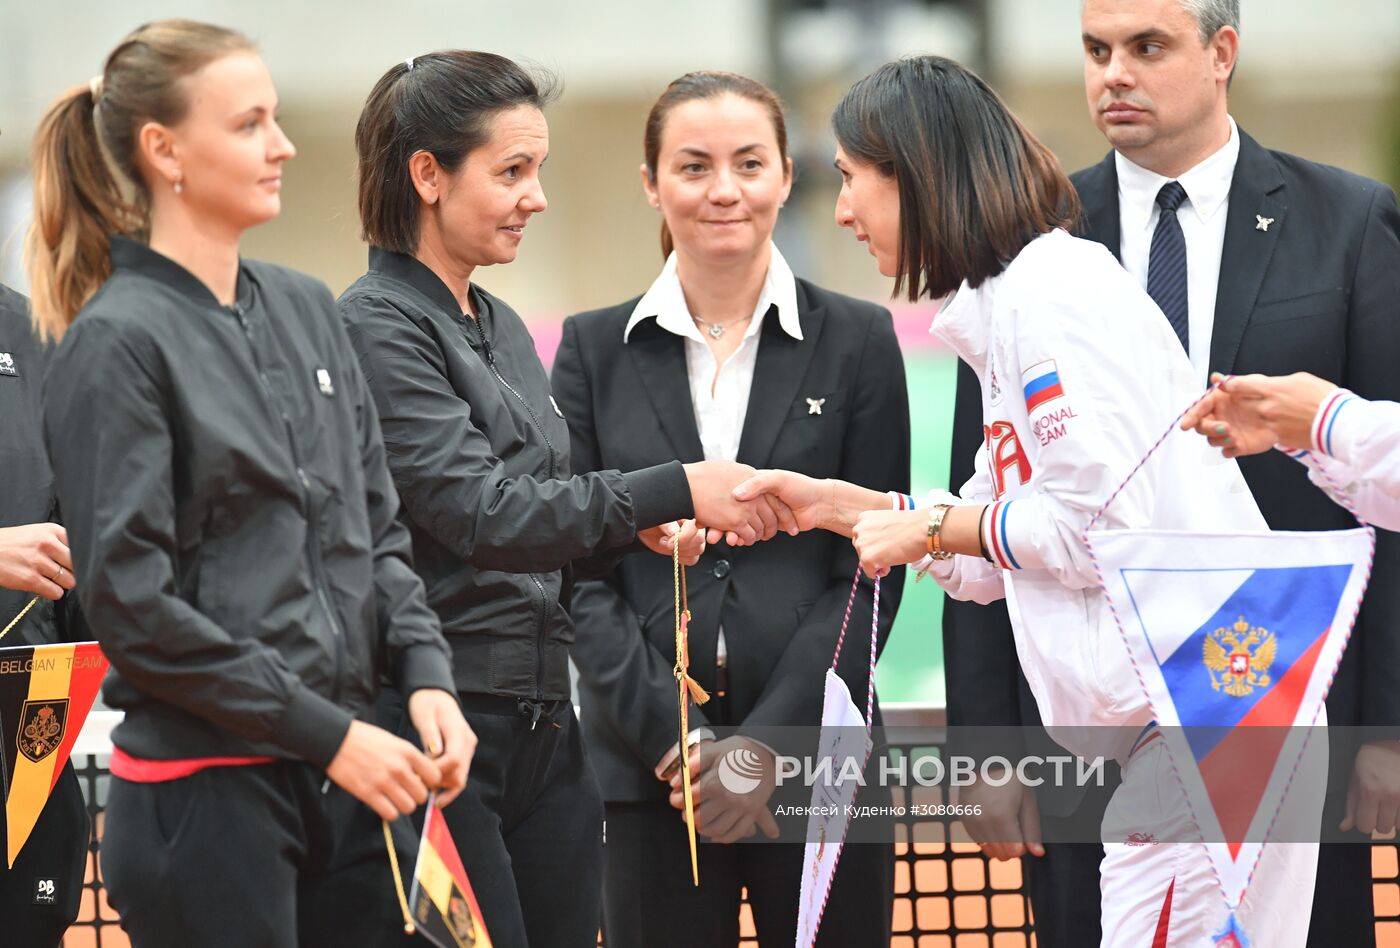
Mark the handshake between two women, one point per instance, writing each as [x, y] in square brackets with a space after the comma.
[744, 506]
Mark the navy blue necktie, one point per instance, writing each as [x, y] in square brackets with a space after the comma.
[1166, 263]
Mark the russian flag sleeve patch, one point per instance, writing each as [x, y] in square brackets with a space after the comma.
[1041, 383]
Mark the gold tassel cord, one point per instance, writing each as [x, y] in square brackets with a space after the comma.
[682, 669]
[686, 688]
[408, 927]
[16, 620]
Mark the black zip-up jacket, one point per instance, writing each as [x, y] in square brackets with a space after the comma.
[26, 483]
[232, 521]
[480, 455]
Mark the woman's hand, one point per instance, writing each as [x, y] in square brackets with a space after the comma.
[35, 559]
[721, 815]
[685, 533]
[447, 737]
[1229, 423]
[1249, 414]
[1002, 818]
[811, 501]
[885, 539]
[383, 771]
[742, 522]
[828, 504]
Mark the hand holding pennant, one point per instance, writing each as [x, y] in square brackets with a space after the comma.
[441, 905]
[1235, 639]
[845, 736]
[686, 688]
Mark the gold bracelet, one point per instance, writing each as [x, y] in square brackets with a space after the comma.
[935, 532]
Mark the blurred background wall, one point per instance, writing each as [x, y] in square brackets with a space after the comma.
[1320, 78]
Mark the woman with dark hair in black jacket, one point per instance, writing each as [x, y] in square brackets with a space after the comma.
[450, 146]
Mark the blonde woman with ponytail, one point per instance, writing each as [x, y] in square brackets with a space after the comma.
[218, 462]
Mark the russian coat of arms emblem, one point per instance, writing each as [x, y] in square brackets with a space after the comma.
[1238, 658]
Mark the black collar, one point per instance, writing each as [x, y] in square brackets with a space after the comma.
[409, 269]
[128, 254]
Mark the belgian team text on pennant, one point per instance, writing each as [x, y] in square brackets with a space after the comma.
[46, 692]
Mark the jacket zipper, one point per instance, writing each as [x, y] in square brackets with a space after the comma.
[313, 548]
[549, 446]
[491, 364]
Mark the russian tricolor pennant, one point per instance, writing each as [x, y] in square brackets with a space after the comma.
[1041, 383]
[1236, 639]
[46, 692]
[442, 902]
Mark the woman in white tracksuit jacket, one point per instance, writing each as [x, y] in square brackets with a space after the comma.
[1350, 446]
[1080, 376]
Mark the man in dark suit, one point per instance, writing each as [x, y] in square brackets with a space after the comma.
[1262, 262]
[828, 398]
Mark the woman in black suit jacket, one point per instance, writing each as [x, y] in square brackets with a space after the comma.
[726, 356]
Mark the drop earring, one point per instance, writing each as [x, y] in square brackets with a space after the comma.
[179, 186]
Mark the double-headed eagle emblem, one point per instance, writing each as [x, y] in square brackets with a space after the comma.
[1238, 659]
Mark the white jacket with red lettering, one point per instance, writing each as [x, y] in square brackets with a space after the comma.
[1081, 374]
[1356, 456]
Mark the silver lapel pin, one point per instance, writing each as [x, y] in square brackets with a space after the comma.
[1262, 222]
[814, 405]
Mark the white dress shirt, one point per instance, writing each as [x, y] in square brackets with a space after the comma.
[1202, 217]
[719, 393]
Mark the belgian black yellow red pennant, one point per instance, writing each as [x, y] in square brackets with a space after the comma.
[444, 907]
[46, 692]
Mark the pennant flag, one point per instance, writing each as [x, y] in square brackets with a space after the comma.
[443, 904]
[845, 737]
[46, 692]
[1230, 634]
